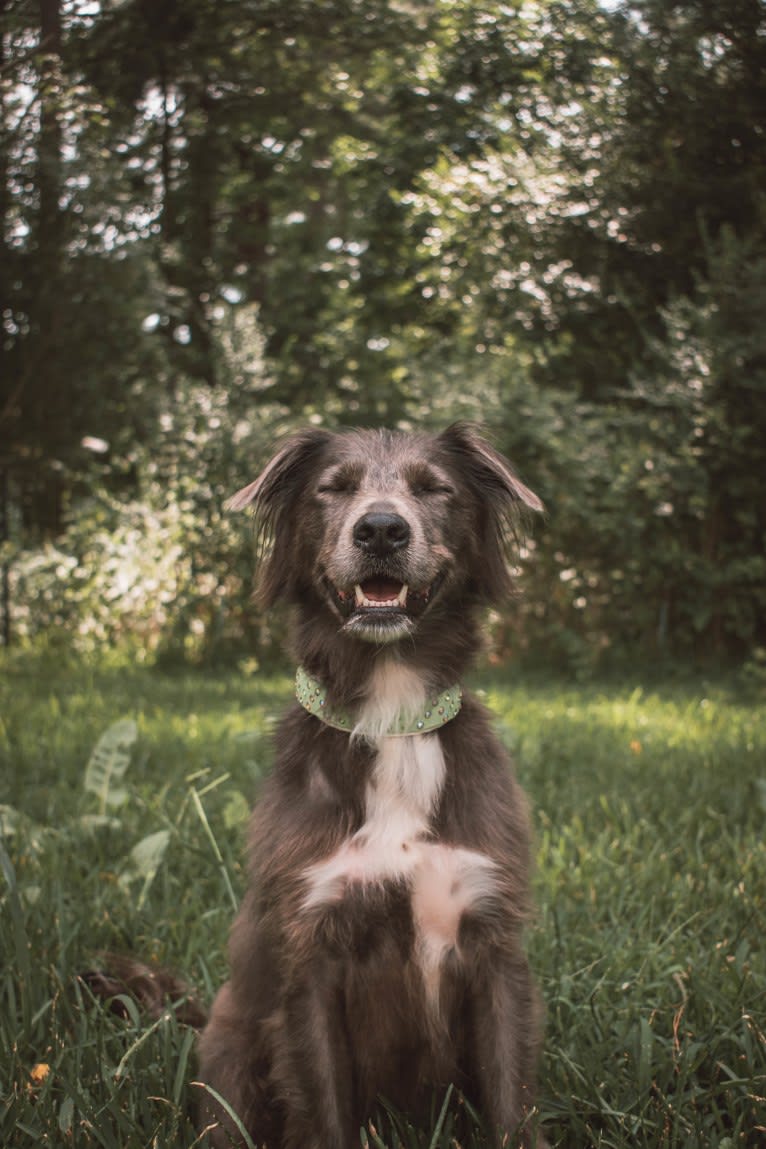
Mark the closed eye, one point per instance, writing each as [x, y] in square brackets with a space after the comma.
[423, 481]
[336, 489]
[341, 482]
[432, 489]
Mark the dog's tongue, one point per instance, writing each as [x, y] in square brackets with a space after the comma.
[381, 589]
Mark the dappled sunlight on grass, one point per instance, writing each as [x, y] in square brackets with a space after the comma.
[650, 883]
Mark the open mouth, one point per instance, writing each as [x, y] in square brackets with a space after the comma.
[381, 601]
[380, 594]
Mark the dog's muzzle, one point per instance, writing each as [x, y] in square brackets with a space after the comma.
[382, 606]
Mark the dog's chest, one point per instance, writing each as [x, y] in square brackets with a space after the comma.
[396, 846]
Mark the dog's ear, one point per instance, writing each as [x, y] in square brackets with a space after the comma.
[283, 477]
[274, 497]
[486, 468]
[503, 504]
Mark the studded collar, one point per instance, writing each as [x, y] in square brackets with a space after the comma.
[436, 712]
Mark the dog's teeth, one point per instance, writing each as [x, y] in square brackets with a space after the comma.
[380, 604]
[362, 599]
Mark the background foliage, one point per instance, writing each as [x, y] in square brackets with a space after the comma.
[220, 220]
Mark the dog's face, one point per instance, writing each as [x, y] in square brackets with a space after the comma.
[383, 529]
[388, 545]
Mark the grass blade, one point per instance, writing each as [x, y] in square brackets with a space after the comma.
[20, 939]
[442, 1115]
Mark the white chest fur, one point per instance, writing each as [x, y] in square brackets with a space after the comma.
[404, 788]
[396, 842]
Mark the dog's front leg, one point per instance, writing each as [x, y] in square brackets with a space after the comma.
[313, 1063]
[506, 1041]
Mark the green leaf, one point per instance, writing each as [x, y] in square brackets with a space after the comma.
[66, 1116]
[15, 823]
[236, 811]
[108, 763]
[144, 861]
[760, 787]
[92, 822]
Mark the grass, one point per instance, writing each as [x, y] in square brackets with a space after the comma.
[651, 885]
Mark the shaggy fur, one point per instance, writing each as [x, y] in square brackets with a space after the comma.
[378, 948]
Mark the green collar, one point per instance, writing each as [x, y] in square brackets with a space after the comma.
[437, 711]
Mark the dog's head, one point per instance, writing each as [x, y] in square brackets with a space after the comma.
[384, 530]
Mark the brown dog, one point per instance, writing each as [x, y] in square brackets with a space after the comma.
[378, 948]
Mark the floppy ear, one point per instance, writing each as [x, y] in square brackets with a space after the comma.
[274, 496]
[503, 500]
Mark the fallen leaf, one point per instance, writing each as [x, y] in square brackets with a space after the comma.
[39, 1072]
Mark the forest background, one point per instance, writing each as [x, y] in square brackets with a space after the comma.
[221, 220]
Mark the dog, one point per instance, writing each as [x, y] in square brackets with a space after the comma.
[378, 949]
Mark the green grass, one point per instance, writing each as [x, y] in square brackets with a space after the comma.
[650, 809]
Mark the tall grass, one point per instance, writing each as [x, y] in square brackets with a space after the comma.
[651, 884]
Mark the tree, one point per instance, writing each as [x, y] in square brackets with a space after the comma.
[218, 218]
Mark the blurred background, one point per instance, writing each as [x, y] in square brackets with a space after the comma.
[222, 220]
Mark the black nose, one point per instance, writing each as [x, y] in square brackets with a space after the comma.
[379, 533]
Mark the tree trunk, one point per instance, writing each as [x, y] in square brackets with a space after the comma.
[46, 394]
[49, 145]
